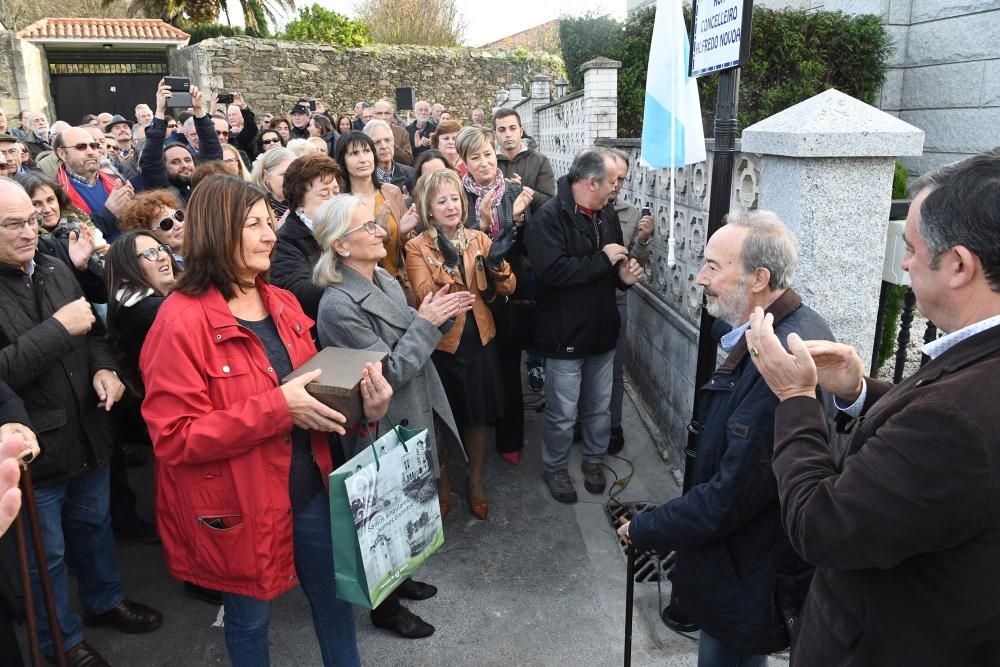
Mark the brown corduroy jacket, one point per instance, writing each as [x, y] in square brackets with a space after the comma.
[906, 538]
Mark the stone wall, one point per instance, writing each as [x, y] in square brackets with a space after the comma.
[8, 81]
[274, 74]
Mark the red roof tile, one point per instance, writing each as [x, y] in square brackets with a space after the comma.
[110, 29]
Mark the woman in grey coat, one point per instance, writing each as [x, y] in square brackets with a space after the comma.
[363, 307]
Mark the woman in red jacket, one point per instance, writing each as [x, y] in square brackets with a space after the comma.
[241, 458]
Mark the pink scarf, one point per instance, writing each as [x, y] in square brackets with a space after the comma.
[497, 188]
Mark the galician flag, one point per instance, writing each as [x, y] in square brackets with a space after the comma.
[672, 133]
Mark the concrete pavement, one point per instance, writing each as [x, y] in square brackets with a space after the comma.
[539, 583]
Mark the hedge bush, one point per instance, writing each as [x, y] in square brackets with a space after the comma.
[793, 55]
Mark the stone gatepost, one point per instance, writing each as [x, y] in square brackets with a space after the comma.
[541, 94]
[515, 93]
[600, 98]
[826, 170]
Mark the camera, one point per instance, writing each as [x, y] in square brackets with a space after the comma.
[645, 211]
[225, 98]
[180, 90]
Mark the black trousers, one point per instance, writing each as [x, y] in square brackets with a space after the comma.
[510, 429]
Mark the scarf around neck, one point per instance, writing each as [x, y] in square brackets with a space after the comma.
[63, 178]
[461, 240]
[497, 188]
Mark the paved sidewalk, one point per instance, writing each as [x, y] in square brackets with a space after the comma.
[539, 583]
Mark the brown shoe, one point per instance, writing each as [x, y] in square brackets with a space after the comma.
[82, 655]
[128, 616]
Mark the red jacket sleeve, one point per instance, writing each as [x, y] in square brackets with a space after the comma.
[188, 426]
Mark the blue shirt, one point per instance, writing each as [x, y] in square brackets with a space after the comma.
[729, 341]
[95, 195]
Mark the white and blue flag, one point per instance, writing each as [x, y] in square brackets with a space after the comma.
[672, 132]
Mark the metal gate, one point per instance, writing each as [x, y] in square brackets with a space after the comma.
[91, 82]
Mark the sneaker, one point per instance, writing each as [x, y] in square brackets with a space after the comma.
[593, 477]
[617, 442]
[536, 379]
[560, 485]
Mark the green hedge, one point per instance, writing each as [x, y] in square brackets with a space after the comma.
[793, 56]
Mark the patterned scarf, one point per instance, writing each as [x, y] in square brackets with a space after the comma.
[63, 178]
[497, 188]
[461, 240]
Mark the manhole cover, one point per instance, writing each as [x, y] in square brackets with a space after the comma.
[650, 566]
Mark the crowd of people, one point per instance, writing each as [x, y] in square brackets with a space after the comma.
[163, 276]
[159, 279]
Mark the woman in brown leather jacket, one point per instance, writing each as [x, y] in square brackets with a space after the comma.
[448, 253]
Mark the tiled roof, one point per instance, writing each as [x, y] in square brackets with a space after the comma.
[108, 29]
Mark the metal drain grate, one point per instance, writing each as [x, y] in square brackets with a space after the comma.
[646, 570]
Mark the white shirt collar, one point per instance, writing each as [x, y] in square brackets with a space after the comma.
[936, 348]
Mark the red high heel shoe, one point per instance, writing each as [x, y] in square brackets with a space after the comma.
[513, 458]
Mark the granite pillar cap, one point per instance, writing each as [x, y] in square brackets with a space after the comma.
[833, 124]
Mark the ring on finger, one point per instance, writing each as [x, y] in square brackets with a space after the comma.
[754, 352]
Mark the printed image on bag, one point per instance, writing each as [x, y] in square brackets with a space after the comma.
[390, 491]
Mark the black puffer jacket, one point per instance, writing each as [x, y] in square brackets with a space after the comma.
[53, 371]
[575, 280]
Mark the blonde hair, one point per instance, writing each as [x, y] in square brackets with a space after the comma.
[244, 174]
[472, 138]
[430, 183]
[332, 221]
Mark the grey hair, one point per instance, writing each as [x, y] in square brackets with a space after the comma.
[373, 123]
[589, 163]
[621, 155]
[332, 220]
[266, 162]
[768, 245]
[298, 147]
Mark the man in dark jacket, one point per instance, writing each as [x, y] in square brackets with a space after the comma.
[575, 245]
[421, 129]
[387, 170]
[63, 369]
[171, 166]
[520, 163]
[905, 536]
[736, 572]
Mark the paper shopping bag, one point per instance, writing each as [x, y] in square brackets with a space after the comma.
[385, 516]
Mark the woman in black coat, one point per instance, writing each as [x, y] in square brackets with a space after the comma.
[310, 181]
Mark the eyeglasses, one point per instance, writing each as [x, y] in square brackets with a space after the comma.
[14, 226]
[168, 223]
[369, 226]
[268, 142]
[153, 254]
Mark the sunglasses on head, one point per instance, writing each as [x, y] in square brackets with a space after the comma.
[82, 147]
[168, 223]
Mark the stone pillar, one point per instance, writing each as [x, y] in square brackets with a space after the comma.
[515, 93]
[600, 98]
[826, 170]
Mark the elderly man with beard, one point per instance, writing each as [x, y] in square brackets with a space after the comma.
[99, 195]
[387, 170]
[171, 166]
[421, 128]
[143, 114]
[737, 574]
[36, 138]
[383, 111]
[126, 157]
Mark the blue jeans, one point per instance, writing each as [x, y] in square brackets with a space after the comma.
[618, 387]
[713, 653]
[577, 387]
[246, 618]
[75, 520]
